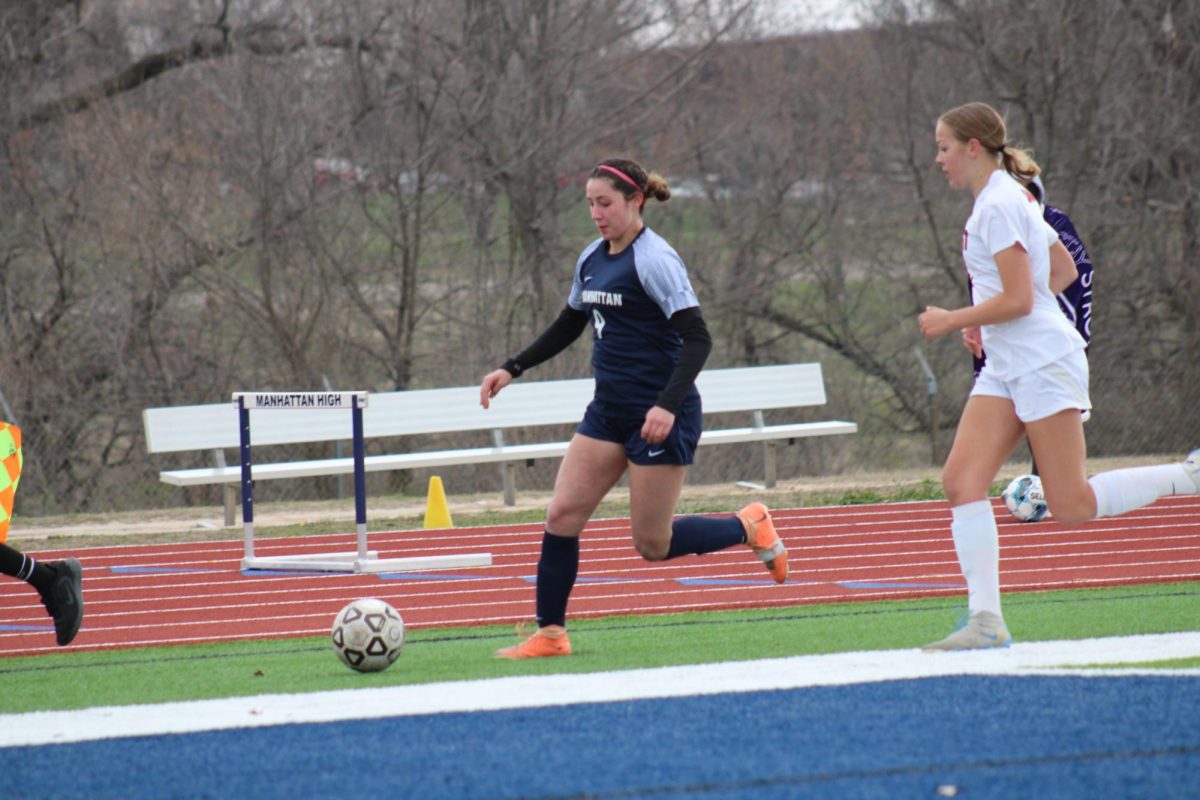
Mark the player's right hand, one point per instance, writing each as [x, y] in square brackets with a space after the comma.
[934, 322]
[493, 382]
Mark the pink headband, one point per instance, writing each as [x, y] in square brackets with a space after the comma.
[620, 175]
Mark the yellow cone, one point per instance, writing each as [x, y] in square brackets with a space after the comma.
[437, 513]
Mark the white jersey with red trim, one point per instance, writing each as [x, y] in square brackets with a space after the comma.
[1005, 214]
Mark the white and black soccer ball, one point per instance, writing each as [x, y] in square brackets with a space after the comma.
[1025, 499]
[368, 635]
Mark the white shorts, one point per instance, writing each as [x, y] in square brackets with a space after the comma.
[1047, 390]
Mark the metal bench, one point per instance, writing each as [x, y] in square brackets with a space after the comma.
[522, 404]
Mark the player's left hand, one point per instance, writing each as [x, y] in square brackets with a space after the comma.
[658, 425]
[934, 322]
[972, 339]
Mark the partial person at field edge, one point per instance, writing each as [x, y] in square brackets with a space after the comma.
[59, 583]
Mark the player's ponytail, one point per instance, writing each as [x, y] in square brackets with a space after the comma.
[1019, 163]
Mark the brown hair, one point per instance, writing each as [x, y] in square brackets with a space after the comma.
[982, 122]
[629, 178]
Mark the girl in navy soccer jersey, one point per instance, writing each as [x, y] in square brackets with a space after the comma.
[649, 344]
[1035, 380]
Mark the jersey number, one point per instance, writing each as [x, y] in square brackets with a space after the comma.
[598, 321]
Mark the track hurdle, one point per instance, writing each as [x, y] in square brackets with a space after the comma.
[362, 560]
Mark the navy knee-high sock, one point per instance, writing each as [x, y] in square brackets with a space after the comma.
[557, 568]
[701, 535]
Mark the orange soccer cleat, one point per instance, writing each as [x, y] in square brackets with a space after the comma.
[764, 541]
[550, 641]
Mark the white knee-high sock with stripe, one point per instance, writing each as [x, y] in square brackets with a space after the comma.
[977, 542]
[1121, 490]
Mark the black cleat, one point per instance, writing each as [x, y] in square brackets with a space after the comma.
[64, 599]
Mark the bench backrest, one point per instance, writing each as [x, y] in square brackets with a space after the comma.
[424, 411]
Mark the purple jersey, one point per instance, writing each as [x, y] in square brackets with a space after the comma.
[1076, 300]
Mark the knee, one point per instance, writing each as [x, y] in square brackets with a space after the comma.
[651, 550]
[1070, 514]
[563, 521]
[957, 489]
[1071, 509]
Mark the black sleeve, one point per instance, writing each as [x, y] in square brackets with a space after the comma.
[552, 341]
[697, 344]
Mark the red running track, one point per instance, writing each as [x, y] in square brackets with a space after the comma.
[143, 595]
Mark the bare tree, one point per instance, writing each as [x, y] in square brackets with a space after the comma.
[543, 83]
[205, 196]
[1080, 83]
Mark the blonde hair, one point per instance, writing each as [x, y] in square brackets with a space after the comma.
[982, 122]
[629, 178]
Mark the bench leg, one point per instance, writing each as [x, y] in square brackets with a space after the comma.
[230, 496]
[509, 473]
[227, 490]
[769, 454]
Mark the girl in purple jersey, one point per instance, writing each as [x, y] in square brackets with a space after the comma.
[649, 344]
[1035, 381]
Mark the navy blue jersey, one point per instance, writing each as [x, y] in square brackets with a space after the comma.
[631, 297]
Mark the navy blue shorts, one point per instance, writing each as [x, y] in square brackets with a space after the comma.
[624, 426]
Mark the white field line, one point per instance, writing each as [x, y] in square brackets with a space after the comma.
[1033, 658]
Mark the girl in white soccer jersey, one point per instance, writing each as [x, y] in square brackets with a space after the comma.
[649, 344]
[1035, 381]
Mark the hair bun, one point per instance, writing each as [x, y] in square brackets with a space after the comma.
[656, 187]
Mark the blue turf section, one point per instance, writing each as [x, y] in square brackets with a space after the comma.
[1052, 737]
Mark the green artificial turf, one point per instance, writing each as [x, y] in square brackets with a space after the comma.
[1170, 663]
[155, 674]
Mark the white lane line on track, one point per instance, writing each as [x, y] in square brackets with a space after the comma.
[621, 551]
[1029, 658]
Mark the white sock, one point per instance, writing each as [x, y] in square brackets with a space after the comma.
[977, 542]
[1121, 490]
